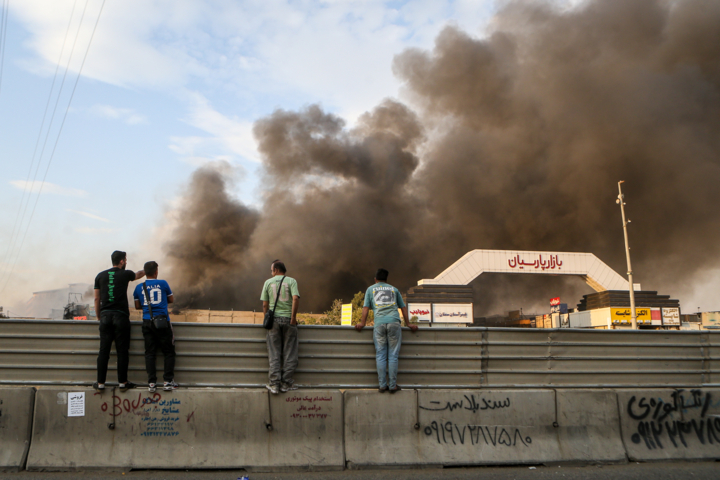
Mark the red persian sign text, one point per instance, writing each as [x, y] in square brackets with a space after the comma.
[554, 301]
[549, 264]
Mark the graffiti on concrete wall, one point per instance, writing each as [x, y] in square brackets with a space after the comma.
[468, 402]
[309, 406]
[449, 432]
[659, 423]
[158, 416]
[160, 419]
[457, 431]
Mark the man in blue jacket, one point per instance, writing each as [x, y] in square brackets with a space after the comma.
[160, 296]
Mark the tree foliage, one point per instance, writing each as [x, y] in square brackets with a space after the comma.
[334, 315]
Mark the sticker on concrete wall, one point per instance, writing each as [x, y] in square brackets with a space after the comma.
[76, 404]
[62, 398]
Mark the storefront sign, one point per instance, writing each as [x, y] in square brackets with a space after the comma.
[624, 315]
[710, 320]
[452, 313]
[671, 316]
[423, 311]
[346, 314]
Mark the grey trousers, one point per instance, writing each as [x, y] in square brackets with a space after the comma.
[282, 344]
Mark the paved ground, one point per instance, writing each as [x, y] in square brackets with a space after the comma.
[632, 471]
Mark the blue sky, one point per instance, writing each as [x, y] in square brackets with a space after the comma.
[166, 87]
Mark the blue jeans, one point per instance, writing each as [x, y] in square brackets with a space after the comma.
[387, 338]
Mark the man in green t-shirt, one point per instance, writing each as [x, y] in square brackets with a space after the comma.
[385, 300]
[282, 339]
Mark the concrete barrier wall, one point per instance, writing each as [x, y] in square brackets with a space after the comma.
[327, 429]
[588, 426]
[218, 428]
[459, 427]
[16, 406]
[670, 424]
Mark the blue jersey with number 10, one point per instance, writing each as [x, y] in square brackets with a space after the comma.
[159, 291]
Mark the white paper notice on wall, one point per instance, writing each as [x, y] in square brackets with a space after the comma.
[76, 404]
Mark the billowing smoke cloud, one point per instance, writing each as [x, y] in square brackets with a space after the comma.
[514, 141]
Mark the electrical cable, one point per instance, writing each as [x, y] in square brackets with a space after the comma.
[57, 139]
[3, 36]
[52, 119]
[37, 142]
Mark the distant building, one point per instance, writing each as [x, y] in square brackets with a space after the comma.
[51, 303]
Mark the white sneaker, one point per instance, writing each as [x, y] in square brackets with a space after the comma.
[152, 387]
[169, 386]
[287, 388]
[273, 389]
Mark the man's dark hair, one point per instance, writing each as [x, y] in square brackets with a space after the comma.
[150, 268]
[279, 266]
[117, 256]
[381, 274]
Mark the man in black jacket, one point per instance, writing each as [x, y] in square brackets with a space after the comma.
[111, 307]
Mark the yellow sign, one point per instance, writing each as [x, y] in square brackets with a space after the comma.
[624, 315]
[346, 314]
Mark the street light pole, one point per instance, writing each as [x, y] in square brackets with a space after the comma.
[621, 201]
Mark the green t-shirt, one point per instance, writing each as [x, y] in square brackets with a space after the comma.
[288, 290]
[384, 300]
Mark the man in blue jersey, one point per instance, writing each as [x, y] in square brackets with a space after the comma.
[160, 296]
[385, 300]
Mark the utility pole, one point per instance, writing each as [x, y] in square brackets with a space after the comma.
[621, 201]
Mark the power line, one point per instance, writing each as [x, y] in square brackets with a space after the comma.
[31, 186]
[3, 36]
[52, 119]
[57, 139]
[37, 142]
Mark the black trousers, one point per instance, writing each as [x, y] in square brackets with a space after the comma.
[114, 327]
[163, 338]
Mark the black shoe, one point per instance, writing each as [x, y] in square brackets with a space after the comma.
[396, 389]
[99, 387]
[383, 389]
[127, 386]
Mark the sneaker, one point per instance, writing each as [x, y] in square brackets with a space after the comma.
[152, 387]
[273, 389]
[124, 387]
[383, 389]
[99, 387]
[287, 388]
[170, 386]
[395, 389]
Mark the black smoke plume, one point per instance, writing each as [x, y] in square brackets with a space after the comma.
[514, 141]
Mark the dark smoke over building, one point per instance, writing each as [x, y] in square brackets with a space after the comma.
[513, 141]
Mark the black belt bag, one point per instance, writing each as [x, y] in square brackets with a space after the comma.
[161, 321]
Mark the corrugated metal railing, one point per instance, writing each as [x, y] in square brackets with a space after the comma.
[36, 352]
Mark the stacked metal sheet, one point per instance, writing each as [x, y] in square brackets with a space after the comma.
[440, 294]
[621, 298]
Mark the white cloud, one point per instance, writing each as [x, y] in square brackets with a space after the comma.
[127, 115]
[339, 51]
[243, 58]
[88, 215]
[228, 135]
[48, 188]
